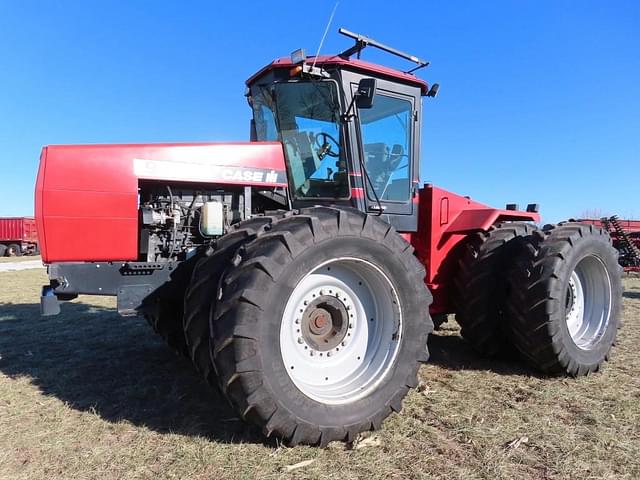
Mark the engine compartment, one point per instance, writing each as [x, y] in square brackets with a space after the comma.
[176, 219]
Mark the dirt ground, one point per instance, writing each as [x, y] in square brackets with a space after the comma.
[88, 394]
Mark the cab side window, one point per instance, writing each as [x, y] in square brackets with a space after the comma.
[386, 138]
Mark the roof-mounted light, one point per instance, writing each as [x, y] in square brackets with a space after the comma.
[298, 56]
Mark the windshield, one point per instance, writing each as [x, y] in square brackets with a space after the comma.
[305, 117]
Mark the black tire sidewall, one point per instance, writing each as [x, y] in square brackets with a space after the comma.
[284, 390]
[599, 247]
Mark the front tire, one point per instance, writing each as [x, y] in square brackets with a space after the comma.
[202, 293]
[566, 299]
[364, 323]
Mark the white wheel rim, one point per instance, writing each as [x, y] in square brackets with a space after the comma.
[349, 365]
[588, 302]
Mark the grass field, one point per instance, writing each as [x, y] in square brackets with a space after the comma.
[88, 394]
[24, 258]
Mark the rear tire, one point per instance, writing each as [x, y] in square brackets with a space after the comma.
[481, 287]
[3, 250]
[202, 293]
[13, 250]
[255, 343]
[566, 299]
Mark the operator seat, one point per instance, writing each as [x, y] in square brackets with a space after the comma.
[399, 188]
[375, 157]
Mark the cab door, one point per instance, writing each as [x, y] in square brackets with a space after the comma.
[388, 147]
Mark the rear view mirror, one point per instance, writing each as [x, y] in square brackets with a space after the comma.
[366, 93]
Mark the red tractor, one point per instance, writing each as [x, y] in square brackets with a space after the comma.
[301, 271]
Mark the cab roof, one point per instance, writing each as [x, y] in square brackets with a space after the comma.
[346, 63]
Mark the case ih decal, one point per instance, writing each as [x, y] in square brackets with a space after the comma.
[204, 172]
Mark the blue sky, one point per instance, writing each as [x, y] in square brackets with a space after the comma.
[539, 100]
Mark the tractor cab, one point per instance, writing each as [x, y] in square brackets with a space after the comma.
[350, 129]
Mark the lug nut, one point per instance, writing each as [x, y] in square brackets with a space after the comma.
[300, 340]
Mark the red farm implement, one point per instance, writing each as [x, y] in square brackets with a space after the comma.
[625, 235]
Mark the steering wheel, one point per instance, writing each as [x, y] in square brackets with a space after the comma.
[324, 146]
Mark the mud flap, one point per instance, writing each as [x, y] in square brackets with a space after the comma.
[49, 303]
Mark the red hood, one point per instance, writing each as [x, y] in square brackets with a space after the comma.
[86, 192]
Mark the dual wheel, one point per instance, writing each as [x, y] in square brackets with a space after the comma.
[552, 295]
[11, 250]
[312, 324]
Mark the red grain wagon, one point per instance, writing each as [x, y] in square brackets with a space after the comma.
[18, 236]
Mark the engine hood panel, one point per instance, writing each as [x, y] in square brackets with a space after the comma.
[86, 198]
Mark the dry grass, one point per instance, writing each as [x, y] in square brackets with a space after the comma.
[24, 258]
[88, 394]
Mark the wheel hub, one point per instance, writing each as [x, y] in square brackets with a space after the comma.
[324, 323]
[341, 331]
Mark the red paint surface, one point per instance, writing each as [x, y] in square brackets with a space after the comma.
[444, 221]
[86, 199]
[18, 229]
[349, 64]
[357, 192]
[629, 226]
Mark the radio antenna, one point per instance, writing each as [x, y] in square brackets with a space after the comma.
[335, 7]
